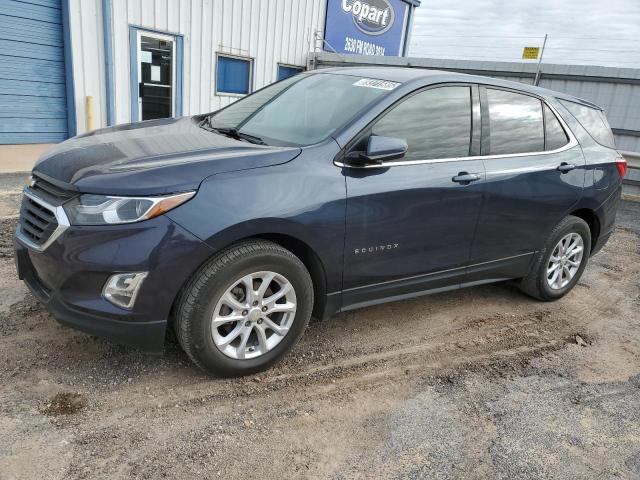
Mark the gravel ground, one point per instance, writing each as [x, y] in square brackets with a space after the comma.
[478, 383]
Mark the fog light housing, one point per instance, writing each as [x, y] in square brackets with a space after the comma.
[122, 288]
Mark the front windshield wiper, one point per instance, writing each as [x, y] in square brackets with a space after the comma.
[231, 132]
[238, 135]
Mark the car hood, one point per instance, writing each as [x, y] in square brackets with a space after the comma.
[152, 157]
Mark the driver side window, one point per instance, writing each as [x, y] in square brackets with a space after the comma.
[436, 123]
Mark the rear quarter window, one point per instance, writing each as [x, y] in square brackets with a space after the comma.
[593, 121]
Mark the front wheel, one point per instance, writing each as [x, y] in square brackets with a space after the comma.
[559, 266]
[244, 309]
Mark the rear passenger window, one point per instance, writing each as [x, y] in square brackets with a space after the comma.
[593, 121]
[515, 123]
[435, 123]
[555, 136]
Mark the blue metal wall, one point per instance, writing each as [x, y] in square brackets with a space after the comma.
[33, 107]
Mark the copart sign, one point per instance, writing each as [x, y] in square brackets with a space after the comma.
[365, 27]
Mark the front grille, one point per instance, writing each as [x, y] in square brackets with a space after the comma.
[42, 218]
[37, 222]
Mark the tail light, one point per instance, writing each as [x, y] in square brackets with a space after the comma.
[621, 165]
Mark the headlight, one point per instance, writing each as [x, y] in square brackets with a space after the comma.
[106, 210]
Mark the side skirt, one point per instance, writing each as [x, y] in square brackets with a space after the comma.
[432, 291]
[479, 274]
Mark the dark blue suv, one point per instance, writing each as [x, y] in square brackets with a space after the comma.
[329, 191]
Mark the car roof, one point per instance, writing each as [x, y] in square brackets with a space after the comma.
[426, 76]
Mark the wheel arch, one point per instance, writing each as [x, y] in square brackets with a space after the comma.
[311, 261]
[592, 220]
[299, 247]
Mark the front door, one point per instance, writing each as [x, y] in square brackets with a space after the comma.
[410, 223]
[156, 75]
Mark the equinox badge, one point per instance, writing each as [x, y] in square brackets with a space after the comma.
[375, 248]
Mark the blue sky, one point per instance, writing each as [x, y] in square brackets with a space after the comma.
[604, 32]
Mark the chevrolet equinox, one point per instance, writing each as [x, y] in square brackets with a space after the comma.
[328, 191]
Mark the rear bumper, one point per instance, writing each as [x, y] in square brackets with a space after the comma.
[606, 215]
[601, 242]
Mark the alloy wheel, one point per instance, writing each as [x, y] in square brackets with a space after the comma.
[565, 261]
[253, 315]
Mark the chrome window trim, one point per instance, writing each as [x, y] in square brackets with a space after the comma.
[58, 213]
[573, 142]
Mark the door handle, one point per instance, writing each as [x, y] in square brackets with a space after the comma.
[565, 167]
[140, 89]
[465, 178]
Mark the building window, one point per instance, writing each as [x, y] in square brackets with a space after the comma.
[233, 75]
[286, 71]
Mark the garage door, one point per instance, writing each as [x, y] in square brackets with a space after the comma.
[33, 106]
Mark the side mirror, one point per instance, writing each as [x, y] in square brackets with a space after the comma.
[379, 150]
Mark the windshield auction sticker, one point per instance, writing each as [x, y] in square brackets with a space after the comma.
[373, 83]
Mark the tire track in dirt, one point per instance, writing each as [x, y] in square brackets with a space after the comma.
[166, 418]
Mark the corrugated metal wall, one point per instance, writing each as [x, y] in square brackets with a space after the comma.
[33, 106]
[269, 31]
[85, 19]
[621, 102]
[616, 90]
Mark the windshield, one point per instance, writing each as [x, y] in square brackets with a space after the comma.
[300, 110]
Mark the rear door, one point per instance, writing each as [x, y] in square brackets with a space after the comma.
[535, 174]
[410, 223]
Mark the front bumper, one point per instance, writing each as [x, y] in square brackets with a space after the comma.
[69, 275]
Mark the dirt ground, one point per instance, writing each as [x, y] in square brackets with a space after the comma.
[478, 383]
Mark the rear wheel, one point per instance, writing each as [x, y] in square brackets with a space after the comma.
[244, 309]
[559, 266]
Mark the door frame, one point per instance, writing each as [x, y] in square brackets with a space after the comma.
[135, 32]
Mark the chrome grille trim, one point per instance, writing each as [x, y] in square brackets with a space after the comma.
[59, 214]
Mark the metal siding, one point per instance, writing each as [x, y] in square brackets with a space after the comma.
[184, 9]
[179, 75]
[22, 50]
[627, 143]
[268, 31]
[121, 60]
[87, 50]
[204, 80]
[32, 73]
[31, 31]
[14, 106]
[30, 68]
[107, 28]
[133, 60]
[21, 9]
[68, 71]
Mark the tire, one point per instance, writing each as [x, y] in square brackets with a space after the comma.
[202, 298]
[537, 283]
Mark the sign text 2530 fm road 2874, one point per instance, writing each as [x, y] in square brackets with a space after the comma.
[366, 27]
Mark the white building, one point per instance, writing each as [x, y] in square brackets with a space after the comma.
[69, 66]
